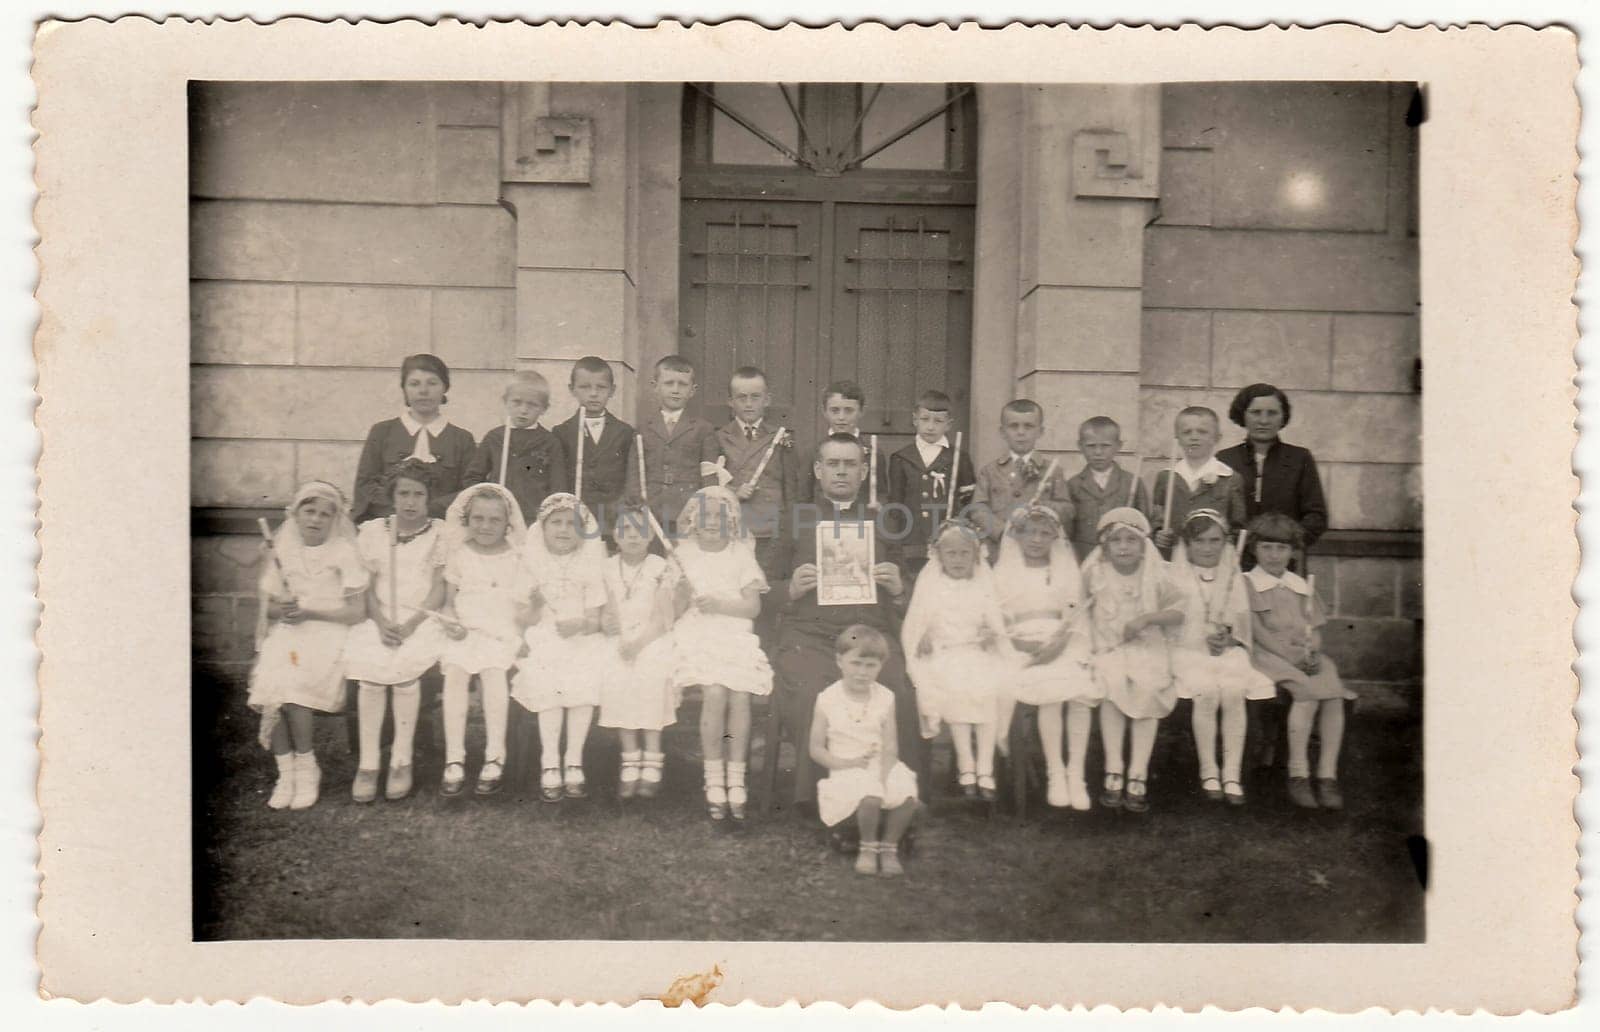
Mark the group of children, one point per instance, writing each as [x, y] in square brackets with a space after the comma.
[553, 579]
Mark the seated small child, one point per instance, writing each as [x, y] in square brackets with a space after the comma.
[1132, 603]
[1211, 652]
[1285, 617]
[958, 654]
[853, 736]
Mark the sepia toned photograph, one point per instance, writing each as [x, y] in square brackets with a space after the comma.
[806, 511]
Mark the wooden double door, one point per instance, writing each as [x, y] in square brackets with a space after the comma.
[818, 290]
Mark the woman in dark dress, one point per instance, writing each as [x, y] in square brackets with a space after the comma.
[1278, 477]
[421, 431]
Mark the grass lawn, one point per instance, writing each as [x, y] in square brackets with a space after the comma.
[515, 868]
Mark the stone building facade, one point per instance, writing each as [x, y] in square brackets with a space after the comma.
[1124, 250]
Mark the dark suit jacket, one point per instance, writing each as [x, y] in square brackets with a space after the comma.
[672, 464]
[927, 496]
[1291, 485]
[605, 465]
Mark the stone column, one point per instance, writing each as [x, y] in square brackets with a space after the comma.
[1089, 168]
[568, 157]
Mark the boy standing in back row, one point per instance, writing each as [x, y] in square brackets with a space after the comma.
[680, 450]
[1009, 484]
[1102, 485]
[920, 479]
[607, 442]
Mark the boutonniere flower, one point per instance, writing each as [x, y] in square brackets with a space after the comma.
[786, 440]
[1031, 471]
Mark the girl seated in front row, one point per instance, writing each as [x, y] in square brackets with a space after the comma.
[1285, 617]
[718, 599]
[1211, 651]
[400, 640]
[1132, 602]
[636, 696]
[560, 677]
[853, 737]
[485, 592]
[958, 654]
[1041, 595]
[311, 593]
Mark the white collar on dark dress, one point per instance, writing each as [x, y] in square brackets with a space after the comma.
[1261, 580]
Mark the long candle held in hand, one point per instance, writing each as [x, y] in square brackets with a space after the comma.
[1044, 482]
[394, 568]
[644, 491]
[1311, 598]
[955, 479]
[1172, 478]
[872, 476]
[671, 549]
[266, 535]
[505, 450]
[1233, 575]
[772, 446]
[577, 470]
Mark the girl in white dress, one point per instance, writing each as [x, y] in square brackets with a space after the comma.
[485, 605]
[404, 554]
[1211, 650]
[311, 593]
[958, 654]
[568, 657]
[637, 697]
[1132, 602]
[1041, 596]
[853, 736]
[718, 599]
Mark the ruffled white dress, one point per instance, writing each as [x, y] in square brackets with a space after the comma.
[367, 658]
[1035, 612]
[304, 664]
[714, 648]
[638, 694]
[963, 680]
[558, 672]
[489, 587]
[1135, 676]
[855, 729]
[1197, 672]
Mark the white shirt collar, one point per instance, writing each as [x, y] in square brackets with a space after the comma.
[670, 418]
[745, 427]
[591, 420]
[1102, 479]
[1022, 458]
[1261, 580]
[1213, 467]
[434, 428]
[929, 452]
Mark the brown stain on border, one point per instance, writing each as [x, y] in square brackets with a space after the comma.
[693, 989]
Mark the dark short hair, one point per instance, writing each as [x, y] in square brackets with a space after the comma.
[428, 364]
[861, 638]
[846, 389]
[934, 401]
[747, 372]
[675, 364]
[839, 439]
[1023, 406]
[591, 364]
[1246, 395]
[408, 469]
[1275, 526]
[1099, 423]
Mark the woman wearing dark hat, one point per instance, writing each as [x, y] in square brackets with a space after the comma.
[420, 432]
[1278, 477]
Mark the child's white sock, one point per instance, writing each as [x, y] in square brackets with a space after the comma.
[550, 738]
[1233, 732]
[1301, 716]
[407, 700]
[1204, 723]
[371, 701]
[1330, 732]
[455, 715]
[1079, 720]
[1112, 725]
[1143, 743]
[651, 769]
[736, 790]
[307, 780]
[578, 720]
[986, 742]
[716, 776]
[496, 704]
[283, 791]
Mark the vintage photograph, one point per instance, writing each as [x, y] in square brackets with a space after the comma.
[500, 575]
[517, 408]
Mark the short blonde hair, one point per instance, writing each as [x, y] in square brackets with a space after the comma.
[533, 381]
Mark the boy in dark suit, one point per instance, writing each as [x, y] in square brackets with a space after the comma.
[680, 451]
[766, 501]
[920, 483]
[535, 463]
[607, 443]
[1102, 485]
